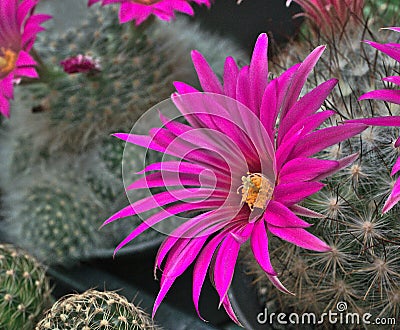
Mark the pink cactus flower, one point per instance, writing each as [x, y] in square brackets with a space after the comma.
[18, 30]
[331, 16]
[388, 95]
[246, 155]
[80, 64]
[140, 10]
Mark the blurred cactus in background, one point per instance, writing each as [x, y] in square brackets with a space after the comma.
[363, 268]
[61, 168]
[24, 289]
[95, 310]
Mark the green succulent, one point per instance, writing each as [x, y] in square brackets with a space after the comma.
[24, 289]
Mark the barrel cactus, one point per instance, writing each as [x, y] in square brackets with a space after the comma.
[95, 310]
[24, 289]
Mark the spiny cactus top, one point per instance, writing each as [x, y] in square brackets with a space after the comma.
[245, 176]
[140, 10]
[95, 310]
[18, 29]
[389, 95]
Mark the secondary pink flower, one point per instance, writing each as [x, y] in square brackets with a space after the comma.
[140, 10]
[243, 172]
[18, 29]
[388, 95]
[331, 16]
[80, 64]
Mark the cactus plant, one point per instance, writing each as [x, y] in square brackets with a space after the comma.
[95, 310]
[362, 269]
[61, 224]
[136, 68]
[59, 170]
[24, 289]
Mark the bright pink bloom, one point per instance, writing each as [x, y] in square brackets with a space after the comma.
[388, 95]
[140, 10]
[331, 16]
[80, 64]
[18, 29]
[246, 175]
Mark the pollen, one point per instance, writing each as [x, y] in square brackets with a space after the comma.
[256, 191]
[8, 61]
[146, 2]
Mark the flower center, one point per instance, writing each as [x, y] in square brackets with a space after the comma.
[7, 61]
[256, 191]
[146, 2]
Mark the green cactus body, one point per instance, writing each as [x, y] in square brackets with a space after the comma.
[61, 226]
[95, 310]
[24, 289]
[138, 67]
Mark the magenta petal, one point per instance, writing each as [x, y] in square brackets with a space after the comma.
[258, 72]
[162, 199]
[168, 179]
[279, 215]
[180, 258]
[300, 237]
[392, 51]
[139, 140]
[273, 97]
[275, 281]
[323, 138]
[342, 163]
[162, 293]
[24, 59]
[243, 89]
[393, 79]
[174, 166]
[307, 125]
[201, 267]
[225, 265]
[203, 224]
[208, 80]
[285, 149]
[305, 169]
[162, 215]
[231, 72]
[301, 210]
[393, 28]
[269, 108]
[378, 121]
[229, 310]
[299, 79]
[183, 88]
[393, 198]
[259, 246]
[306, 106]
[7, 87]
[387, 95]
[396, 167]
[292, 193]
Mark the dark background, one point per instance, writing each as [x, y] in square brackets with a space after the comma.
[244, 22]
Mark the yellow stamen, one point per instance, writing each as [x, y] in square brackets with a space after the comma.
[146, 2]
[7, 61]
[256, 191]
